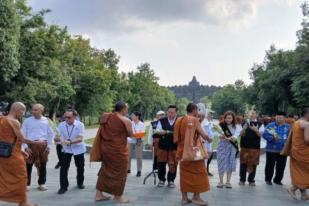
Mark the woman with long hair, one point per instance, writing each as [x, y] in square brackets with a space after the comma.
[137, 141]
[227, 148]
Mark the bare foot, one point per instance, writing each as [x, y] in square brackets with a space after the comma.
[121, 200]
[292, 191]
[199, 201]
[101, 197]
[304, 196]
[186, 201]
[27, 204]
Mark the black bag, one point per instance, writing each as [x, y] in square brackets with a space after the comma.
[6, 148]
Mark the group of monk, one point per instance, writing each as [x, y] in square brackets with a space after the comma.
[110, 147]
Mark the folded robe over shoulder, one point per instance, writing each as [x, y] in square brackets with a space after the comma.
[193, 175]
[110, 148]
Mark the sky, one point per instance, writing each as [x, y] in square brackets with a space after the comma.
[218, 41]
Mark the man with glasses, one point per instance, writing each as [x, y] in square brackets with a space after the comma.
[72, 134]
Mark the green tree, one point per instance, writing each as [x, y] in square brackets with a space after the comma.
[9, 43]
[230, 97]
[300, 84]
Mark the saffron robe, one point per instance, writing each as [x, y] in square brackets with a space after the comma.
[13, 173]
[193, 174]
[110, 148]
[299, 161]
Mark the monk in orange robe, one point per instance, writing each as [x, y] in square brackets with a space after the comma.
[193, 174]
[13, 173]
[110, 148]
[299, 161]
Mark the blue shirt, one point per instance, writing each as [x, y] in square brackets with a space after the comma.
[71, 132]
[282, 131]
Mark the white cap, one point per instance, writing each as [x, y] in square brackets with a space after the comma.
[201, 109]
[160, 112]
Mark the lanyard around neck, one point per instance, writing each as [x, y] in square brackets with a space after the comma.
[69, 132]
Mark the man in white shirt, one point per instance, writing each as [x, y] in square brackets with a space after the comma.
[72, 135]
[166, 153]
[37, 128]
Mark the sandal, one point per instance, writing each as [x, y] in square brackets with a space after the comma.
[241, 183]
[184, 202]
[252, 184]
[228, 185]
[305, 197]
[103, 199]
[201, 203]
[161, 184]
[292, 193]
[220, 185]
[123, 200]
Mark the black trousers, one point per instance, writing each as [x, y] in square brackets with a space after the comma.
[155, 164]
[209, 161]
[272, 160]
[65, 165]
[243, 173]
[42, 173]
[162, 172]
[59, 152]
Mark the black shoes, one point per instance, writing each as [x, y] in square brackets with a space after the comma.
[61, 191]
[210, 174]
[138, 174]
[81, 187]
[278, 183]
[57, 166]
[269, 183]
[129, 171]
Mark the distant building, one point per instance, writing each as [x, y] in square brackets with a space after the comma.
[194, 91]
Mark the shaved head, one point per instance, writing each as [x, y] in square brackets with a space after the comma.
[17, 106]
[17, 110]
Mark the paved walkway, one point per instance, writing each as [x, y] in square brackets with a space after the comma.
[149, 195]
[90, 133]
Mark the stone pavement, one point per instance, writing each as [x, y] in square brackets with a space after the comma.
[149, 195]
[90, 133]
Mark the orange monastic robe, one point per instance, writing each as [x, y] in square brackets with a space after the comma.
[299, 161]
[13, 174]
[193, 174]
[110, 148]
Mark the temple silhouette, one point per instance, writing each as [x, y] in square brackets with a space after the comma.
[194, 90]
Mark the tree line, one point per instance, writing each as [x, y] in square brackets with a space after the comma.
[44, 63]
[279, 83]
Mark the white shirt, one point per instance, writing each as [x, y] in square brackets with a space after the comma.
[71, 132]
[38, 129]
[136, 128]
[208, 128]
[235, 131]
[171, 122]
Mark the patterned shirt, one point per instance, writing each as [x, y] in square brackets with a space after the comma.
[282, 131]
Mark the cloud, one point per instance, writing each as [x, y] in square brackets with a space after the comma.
[123, 16]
